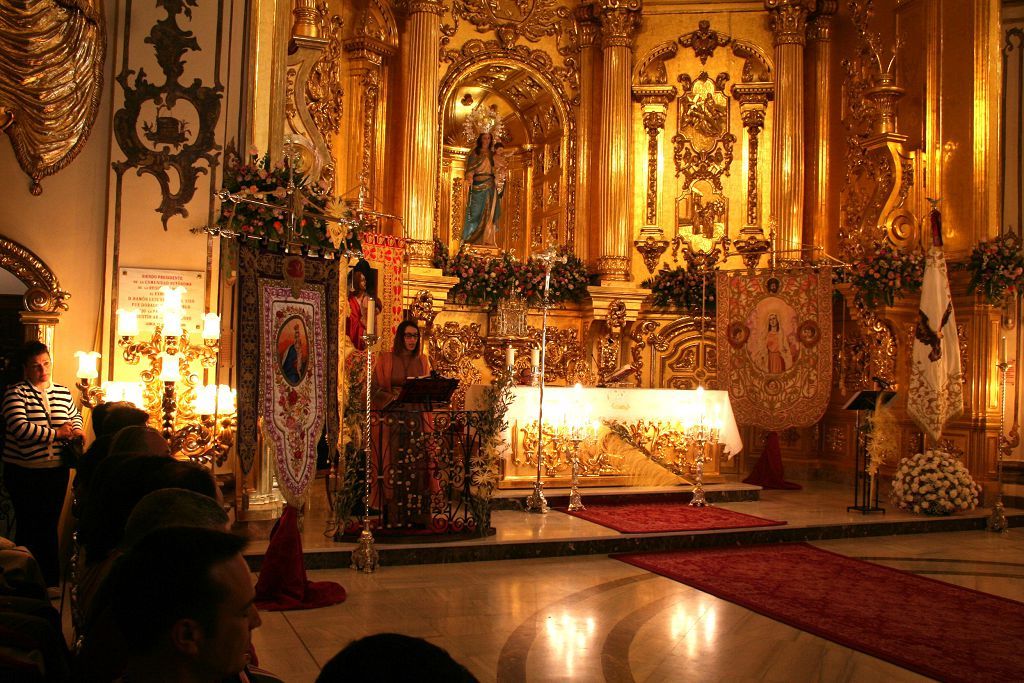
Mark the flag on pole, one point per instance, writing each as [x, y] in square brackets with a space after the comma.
[936, 381]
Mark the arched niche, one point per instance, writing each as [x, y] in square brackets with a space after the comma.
[43, 299]
[539, 206]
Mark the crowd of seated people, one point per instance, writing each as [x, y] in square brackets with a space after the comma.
[161, 591]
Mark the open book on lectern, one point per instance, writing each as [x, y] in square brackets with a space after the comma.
[868, 399]
[432, 390]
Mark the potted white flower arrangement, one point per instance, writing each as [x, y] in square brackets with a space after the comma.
[934, 483]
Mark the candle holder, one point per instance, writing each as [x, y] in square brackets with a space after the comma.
[91, 394]
[365, 557]
[997, 521]
[537, 502]
[700, 438]
[575, 502]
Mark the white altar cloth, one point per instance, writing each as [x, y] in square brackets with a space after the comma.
[587, 404]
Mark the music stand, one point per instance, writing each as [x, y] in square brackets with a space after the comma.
[426, 391]
[863, 499]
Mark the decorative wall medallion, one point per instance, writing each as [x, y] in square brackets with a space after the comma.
[171, 144]
[704, 41]
[531, 19]
[703, 143]
[51, 80]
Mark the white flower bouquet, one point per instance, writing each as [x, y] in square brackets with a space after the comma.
[934, 483]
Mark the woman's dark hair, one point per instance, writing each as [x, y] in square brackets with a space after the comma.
[32, 349]
[400, 337]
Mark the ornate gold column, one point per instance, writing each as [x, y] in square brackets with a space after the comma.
[585, 184]
[789, 25]
[753, 99]
[819, 216]
[419, 134]
[359, 175]
[654, 101]
[619, 23]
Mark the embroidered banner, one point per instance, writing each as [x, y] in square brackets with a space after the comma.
[936, 382]
[377, 276]
[775, 345]
[292, 379]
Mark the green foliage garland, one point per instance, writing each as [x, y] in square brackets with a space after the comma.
[688, 289]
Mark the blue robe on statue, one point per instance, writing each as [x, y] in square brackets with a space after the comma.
[483, 208]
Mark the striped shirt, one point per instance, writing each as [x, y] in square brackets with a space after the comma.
[29, 438]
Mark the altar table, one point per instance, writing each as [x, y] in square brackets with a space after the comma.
[650, 414]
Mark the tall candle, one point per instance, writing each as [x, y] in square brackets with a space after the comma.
[168, 368]
[127, 322]
[211, 326]
[535, 358]
[510, 356]
[1002, 349]
[371, 316]
[87, 362]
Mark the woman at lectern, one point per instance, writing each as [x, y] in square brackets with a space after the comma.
[404, 468]
[394, 367]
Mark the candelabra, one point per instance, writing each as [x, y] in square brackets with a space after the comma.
[197, 421]
[537, 502]
[700, 435]
[997, 520]
[575, 502]
[365, 557]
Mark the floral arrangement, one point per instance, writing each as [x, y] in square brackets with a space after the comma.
[689, 289]
[997, 268]
[489, 280]
[485, 461]
[885, 272]
[261, 180]
[934, 483]
[346, 492]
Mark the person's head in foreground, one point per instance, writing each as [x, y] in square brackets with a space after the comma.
[183, 601]
[395, 658]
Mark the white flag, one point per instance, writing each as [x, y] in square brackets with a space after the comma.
[936, 383]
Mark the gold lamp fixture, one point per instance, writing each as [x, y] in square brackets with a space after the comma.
[198, 421]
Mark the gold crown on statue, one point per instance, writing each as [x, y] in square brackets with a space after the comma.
[483, 120]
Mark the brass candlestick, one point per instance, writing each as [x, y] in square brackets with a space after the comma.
[365, 557]
[997, 521]
[575, 503]
[700, 435]
[536, 501]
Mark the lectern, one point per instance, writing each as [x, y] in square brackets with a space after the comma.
[865, 492]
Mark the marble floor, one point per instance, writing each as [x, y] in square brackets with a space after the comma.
[591, 618]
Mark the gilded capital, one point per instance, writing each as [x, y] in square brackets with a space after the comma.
[819, 28]
[619, 27]
[654, 121]
[788, 20]
[588, 26]
[425, 6]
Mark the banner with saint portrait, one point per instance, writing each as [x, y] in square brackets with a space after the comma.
[775, 345]
[286, 362]
[292, 382]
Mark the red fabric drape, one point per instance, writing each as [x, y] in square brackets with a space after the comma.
[283, 584]
[767, 473]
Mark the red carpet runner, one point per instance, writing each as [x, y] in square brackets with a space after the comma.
[933, 628]
[644, 518]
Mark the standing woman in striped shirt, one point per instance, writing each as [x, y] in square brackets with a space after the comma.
[40, 417]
